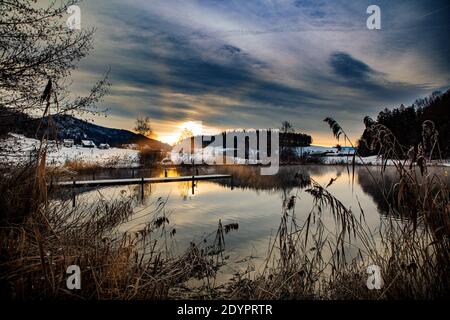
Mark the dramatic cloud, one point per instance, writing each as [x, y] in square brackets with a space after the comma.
[256, 63]
[346, 66]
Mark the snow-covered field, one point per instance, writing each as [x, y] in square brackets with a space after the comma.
[331, 155]
[373, 160]
[319, 150]
[212, 156]
[327, 155]
[19, 148]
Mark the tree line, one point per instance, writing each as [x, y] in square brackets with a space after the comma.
[408, 123]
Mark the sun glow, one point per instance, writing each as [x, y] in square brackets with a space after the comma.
[193, 127]
[171, 133]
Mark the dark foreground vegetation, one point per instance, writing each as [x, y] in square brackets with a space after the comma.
[407, 125]
[41, 238]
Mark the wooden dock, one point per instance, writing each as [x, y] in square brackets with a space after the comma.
[116, 182]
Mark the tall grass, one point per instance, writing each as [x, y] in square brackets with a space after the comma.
[308, 261]
[115, 265]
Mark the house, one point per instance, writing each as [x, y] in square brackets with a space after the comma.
[68, 143]
[87, 144]
[104, 146]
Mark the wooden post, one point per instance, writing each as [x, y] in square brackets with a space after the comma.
[142, 189]
[73, 193]
[232, 182]
[165, 172]
[193, 185]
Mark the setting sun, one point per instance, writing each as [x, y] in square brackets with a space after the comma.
[194, 127]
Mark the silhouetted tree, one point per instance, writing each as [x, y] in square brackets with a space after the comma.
[143, 126]
[406, 123]
[38, 52]
[287, 127]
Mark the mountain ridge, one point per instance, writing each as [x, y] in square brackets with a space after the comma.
[64, 126]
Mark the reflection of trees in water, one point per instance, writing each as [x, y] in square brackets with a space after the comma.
[119, 173]
[244, 177]
[136, 191]
[250, 178]
[66, 194]
[184, 189]
[103, 192]
[384, 182]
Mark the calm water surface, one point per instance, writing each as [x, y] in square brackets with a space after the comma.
[252, 201]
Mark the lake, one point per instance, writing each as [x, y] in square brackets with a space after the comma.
[252, 201]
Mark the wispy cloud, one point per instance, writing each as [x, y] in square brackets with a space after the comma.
[256, 63]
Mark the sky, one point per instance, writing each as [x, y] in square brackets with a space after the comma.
[253, 64]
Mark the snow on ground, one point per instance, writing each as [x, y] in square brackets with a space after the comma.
[331, 155]
[319, 150]
[19, 149]
[326, 155]
[372, 160]
[212, 156]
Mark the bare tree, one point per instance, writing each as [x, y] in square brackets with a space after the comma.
[37, 51]
[143, 126]
[287, 127]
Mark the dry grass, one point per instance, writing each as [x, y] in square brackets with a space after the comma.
[87, 166]
[115, 265]
[41, 238]
[306, 260]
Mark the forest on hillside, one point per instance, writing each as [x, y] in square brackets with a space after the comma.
[406, 124]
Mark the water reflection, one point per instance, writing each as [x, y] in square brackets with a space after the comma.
[252, 201]
[384, 192]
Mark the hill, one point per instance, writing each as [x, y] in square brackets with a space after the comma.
[69, 127]
[406, 122]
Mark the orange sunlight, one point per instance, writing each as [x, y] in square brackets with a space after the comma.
[194, 127]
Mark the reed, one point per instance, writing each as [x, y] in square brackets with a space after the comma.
[305, 260]
[308, 261]
[115, 264]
